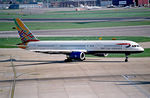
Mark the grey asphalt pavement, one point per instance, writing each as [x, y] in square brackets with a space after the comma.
[78, 19]
[48, 76]
[143, 30]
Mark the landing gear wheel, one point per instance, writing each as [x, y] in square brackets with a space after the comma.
[126, 60]
[84, 59]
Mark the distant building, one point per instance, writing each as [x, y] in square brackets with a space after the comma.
[141, 2]
[58, 3]
[130, 2]
[122, 2]
[106, 2]
[72, 3]
[77, 3]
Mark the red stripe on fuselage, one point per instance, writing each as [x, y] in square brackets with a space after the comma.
[123, 44]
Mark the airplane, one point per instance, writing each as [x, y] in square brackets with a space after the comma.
[86, 7]
[90, 7]
[75, 50]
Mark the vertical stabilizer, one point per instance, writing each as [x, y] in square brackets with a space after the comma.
[24, 33]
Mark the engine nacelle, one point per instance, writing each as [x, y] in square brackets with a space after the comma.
[101, 54]
[77, 56]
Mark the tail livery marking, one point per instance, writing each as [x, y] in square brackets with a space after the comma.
[25, 34]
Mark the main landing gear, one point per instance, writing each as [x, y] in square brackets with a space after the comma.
[126, 60]
[68, 60]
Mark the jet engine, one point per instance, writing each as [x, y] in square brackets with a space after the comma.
[76, 56]
[101, 54]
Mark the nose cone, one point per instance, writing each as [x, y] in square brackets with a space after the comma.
[140, 49]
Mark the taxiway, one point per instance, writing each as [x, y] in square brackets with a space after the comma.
[48, 76]
[142, 30]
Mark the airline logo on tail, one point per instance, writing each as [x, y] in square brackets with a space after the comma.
[25, 34]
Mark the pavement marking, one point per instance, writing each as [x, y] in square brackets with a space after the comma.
[137, 87]
[14, 80]
[1, 90]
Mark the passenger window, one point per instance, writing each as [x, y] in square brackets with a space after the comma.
[135, 46]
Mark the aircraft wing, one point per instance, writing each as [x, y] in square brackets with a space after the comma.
[57, 51]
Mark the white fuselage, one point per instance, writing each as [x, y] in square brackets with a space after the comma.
[100, 46]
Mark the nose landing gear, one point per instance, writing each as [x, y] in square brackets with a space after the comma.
[126, 60]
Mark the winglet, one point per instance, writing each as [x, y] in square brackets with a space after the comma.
[24, 33]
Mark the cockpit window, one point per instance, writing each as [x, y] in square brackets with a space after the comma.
[135, 46]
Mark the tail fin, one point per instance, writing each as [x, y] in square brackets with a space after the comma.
[25, 34]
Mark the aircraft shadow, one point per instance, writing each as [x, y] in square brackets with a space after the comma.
[8, 60]
[127, 82]
[33, 62]
[41, 62]
[37, 62]
[90, 78]
[106, 61]
[137, 83]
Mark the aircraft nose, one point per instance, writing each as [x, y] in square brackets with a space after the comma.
[141, 49]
